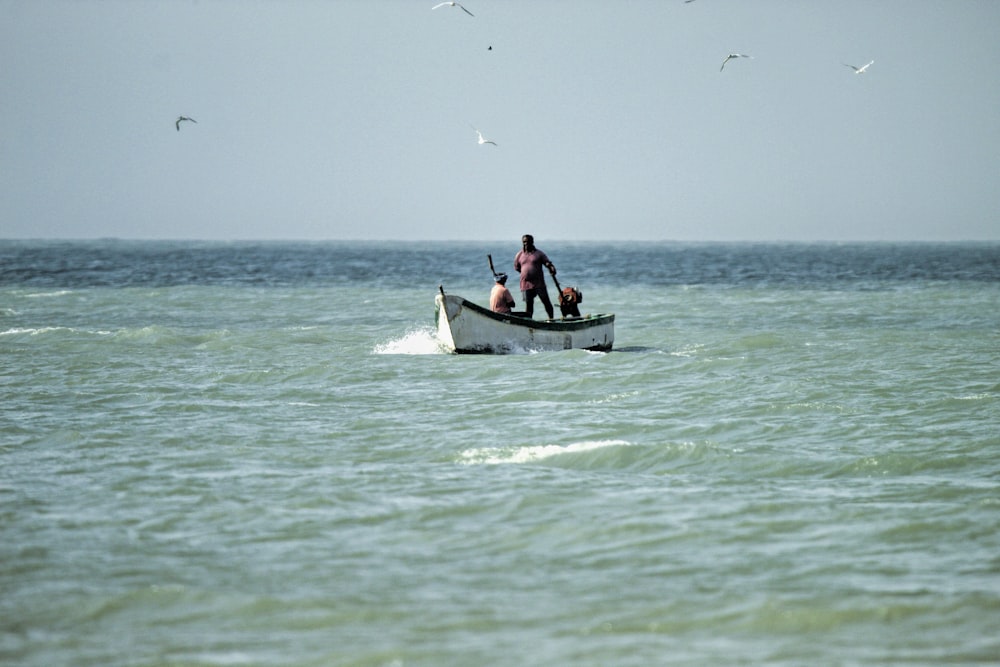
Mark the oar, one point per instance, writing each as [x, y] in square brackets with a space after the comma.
[558, 292]
[558, 289]
[490, 257]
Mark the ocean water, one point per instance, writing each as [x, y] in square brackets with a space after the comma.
[258, 454]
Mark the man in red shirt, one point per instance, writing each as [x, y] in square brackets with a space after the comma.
[529, 263]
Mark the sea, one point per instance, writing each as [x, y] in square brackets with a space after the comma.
[243, 453]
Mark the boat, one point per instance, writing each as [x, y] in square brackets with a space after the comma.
[464, 327]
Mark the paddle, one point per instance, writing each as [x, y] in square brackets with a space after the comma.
[490, 257]
[558, 289]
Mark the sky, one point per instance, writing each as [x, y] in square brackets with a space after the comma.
[354, 119]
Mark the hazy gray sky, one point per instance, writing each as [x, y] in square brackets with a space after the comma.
[353, 120]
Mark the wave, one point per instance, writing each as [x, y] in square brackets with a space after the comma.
[46, 295]
[532, 453]
[147, 335]
[18, 332]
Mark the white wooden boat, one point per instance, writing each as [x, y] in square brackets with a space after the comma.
[467, 328]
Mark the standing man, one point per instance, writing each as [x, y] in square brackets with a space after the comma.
[529, 263]
[500, 299]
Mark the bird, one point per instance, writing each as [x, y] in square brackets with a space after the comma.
[730, 57]
[177, 123]
[482, 139]
[859, 70]
[453, 4]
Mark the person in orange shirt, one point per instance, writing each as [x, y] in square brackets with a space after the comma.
[501, 300]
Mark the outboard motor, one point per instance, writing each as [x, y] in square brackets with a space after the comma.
[569, 298]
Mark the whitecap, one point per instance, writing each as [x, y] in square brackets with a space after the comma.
[19, 331]
[37, 295]
[532, 453]
[612, 398]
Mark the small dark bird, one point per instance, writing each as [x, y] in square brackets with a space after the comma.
[177, 123]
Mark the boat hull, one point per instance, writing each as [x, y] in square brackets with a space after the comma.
[467, 328]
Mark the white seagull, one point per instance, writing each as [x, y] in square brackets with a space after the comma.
[859, 70]
[177, 123]
[730, 57]
[453, 4]
[482, 139]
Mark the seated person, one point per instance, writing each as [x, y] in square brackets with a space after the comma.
[501, 300]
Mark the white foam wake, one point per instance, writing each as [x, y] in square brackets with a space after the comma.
[418, 341]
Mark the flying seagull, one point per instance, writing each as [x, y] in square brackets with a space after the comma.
[730, 57]
[859, 70]
[453, 4]
[177, 123]
[482, 139]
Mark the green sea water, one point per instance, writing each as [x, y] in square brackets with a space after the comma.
[210, 458]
